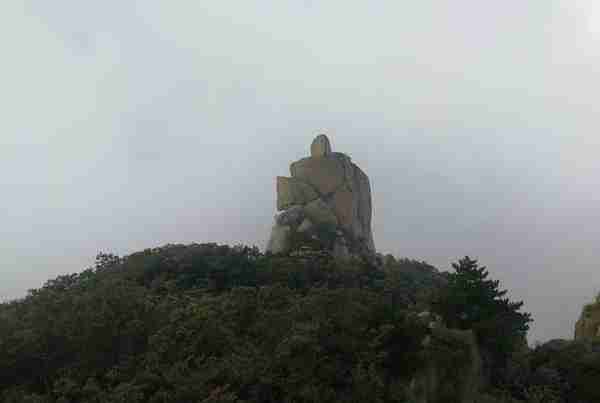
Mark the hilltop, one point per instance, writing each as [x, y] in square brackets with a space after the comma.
[193, 322]
[320, 317]
[213, 323]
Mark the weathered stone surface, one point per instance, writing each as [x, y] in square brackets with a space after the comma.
[291, 191]
[306, 226]
[340, 249]
[361, 228]
[325, 174]
[352, 206]
[320, 147]
[319, 213]
[345, 208]
[280, 239]
[292, 216]
[588, 325]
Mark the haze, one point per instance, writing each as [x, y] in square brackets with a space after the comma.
[131, 124]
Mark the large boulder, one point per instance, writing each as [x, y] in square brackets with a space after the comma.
[335, 193]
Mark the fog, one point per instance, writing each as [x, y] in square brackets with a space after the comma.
[131, 124]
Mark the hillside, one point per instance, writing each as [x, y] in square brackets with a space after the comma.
[213, 323]
[184, 323]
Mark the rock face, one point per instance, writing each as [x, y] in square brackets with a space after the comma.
[588, 326]
[463, 377]
[330, 199]
[280, 239]
[291, 192]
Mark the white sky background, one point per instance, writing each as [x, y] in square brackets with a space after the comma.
[127, 125]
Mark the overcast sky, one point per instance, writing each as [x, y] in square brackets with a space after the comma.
[131, 124]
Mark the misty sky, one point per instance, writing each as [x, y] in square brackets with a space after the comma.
[131, 124]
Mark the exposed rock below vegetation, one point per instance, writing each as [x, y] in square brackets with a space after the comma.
[440, 380]
[329, 199]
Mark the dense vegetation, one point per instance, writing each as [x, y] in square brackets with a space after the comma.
[473, 301]
[210, 323]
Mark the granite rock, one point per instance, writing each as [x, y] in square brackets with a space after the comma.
[291, 191]
[320, 213]
[280, 239]
[320, 147]
[334, 192]
[325, 174]
[292, 216]
[305, 226]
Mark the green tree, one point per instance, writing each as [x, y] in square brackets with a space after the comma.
[471, 300]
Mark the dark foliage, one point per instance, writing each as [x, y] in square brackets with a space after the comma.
[210, 323]
[570, 369]
[471, 300]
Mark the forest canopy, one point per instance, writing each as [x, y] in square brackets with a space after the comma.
[213, 323]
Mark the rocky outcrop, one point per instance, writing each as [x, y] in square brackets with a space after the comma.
[329, 198]
[291, 192]
[453, 369]
[588, 326]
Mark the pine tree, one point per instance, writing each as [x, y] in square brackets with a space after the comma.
[473, 301]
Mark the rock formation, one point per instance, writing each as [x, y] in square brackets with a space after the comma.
[588, 326]
[464, 377]
[327, 200]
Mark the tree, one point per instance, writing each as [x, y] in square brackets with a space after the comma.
[471, 300]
